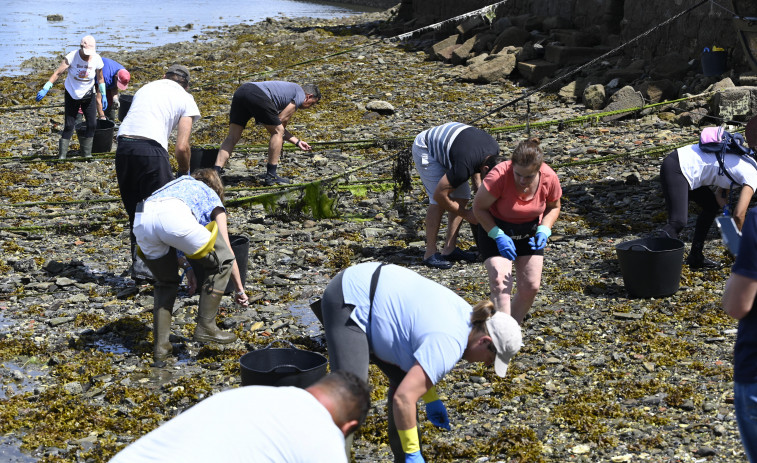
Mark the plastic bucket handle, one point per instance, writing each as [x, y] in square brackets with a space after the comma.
[278, 340]
[276, 368]
[643, 248]
[706, 50]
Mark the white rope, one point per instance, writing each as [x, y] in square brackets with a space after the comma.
[735, 16]
[435, 27]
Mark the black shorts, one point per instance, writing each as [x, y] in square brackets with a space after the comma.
[248, 102]
[519, 232]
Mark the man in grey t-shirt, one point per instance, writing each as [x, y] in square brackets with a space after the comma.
[272, 104]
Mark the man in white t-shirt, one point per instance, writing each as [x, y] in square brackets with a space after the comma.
[142, 163]
[261, 424]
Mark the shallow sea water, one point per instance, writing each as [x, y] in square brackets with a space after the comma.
[25, 31]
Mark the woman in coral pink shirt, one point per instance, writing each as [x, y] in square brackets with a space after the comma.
[516, 207]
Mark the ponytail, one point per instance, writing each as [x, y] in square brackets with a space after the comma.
[481, 312]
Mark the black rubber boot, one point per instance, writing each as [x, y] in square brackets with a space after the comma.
[697, 259]
[161, 332]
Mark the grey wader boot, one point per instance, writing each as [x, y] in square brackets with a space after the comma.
[161, 332]
[166, 288]
[697, 259]
[86, 147]
[217, 265]
[63, 147]
[207, 330]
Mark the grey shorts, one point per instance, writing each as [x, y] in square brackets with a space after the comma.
[431, 172]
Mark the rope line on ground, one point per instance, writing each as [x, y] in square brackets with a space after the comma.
[485, 11]
[590, 63]
[274, 190]
[373, 142]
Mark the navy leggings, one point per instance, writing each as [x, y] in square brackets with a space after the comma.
[675, 187]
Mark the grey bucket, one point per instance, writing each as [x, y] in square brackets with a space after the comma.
[651, 267]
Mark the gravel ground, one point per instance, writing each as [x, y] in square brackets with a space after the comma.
[602, 377]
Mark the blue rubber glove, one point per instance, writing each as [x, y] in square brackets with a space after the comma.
[505, 244]
[539, 241]
[436, 413]
[45, 88]
[104, 95]
[414, 457]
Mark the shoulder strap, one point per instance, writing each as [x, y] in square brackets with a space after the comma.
[723, 169]
[374, 284]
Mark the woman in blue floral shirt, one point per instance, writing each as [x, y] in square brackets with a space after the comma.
[184, 224]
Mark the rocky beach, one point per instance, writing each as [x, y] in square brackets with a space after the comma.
[602, 376]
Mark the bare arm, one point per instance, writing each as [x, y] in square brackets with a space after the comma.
[220, 217]
[62, 67]
[183, 151]
[476, 182]
[739, 295]
[285, 116]
[442, 196]
[413, 386]
[551, 213]
[481, 204]
[739, 212]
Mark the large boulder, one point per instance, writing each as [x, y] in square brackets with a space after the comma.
[473, 46]
[625, 98]
[443, 50]
[512, 36]
[672, 66]
[572, 91]
[735, 102]
[594, 96]
[495, 69]
[466, 27]
[462, 52]
[659, 90]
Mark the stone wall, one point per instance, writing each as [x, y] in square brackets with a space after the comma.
[619, 21]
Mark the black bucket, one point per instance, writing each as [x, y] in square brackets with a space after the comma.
[651, 267]
[202, 157]
[713, 62]
[282, 367]
[240, 244]
[103, 141]
[124, 102]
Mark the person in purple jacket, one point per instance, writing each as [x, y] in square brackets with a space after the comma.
[116, 78]
[272, 104]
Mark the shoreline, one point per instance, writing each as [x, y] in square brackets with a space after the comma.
[169, 33]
